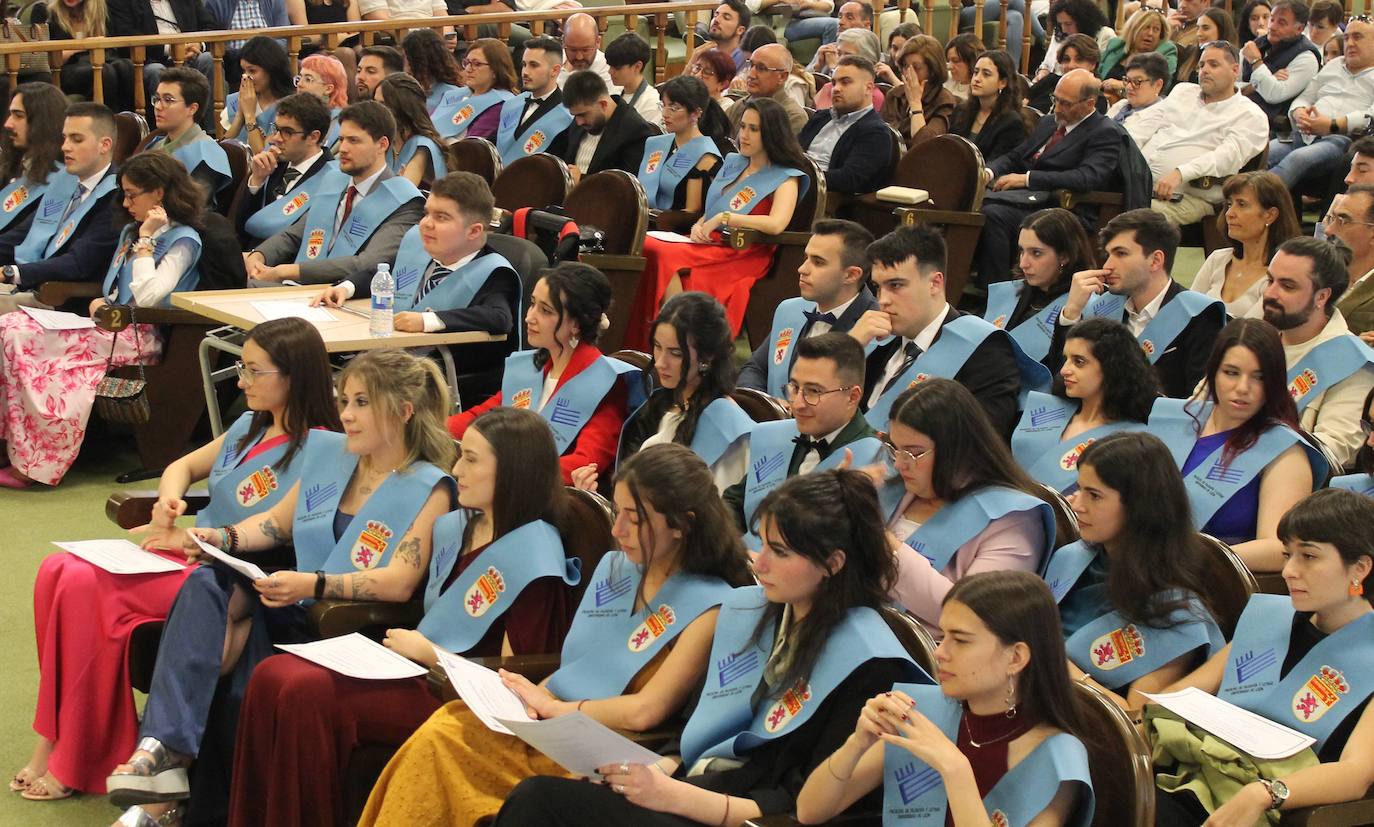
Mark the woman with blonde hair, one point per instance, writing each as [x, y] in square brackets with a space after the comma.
[1257, 216]
[1146, 31]
[360, 519]
[920, 108]
[77, 19]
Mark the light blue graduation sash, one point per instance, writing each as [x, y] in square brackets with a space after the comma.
[375, 530]
[789, 320]
[914, 793]
[120, 277]
[22, 195]
[368, 214]
[240, 489]
[1066, 564]
[571, 406]
[725, 724]
[267, 118]
[1035, 334]
[730, 193]
[1173, 317]
[1337, 673]
[413, 145]
[720, 426]
[1212, 484]
[453, 118]
[956, 523]
[661, 174]
[535, 137]
[1116, 653]
[287, 210]
[1038, 445]
[45, 237]
[770, 454]
[332, 136]
[1360, 483]
[1325, 366]
[205, 152]
[444, 94]
[455, 291]
[594, 665]
[458, 617]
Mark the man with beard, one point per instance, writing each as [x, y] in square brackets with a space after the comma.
[535, 120]
[582, 50]
[607, 133]
[30, 151]
[1330, 371]
[1351, 220]
[376, 63]
[728, 24]
[850, 142]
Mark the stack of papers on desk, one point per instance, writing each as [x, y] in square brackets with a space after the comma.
[287, 309]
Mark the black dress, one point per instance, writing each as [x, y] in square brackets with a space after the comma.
[78, 76]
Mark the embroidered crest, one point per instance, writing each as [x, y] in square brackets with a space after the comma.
[484, 593]
[787, 707]
[1302, 383]
[256, 488]
[1321, 692]
[1118, 648]
[783, 343]
[652, 628]
[463, 115]
[920, 377]
[743, 197]
[295, 204]
[64, 234]
[914, 782]
[535, 142]
[16, 198]
[521, 399]
[655, 158]
[735, 666]
[1000, 322]
[1147, 346]
[315, 243]
[999, 819]
[1070, 460]
[371, 545]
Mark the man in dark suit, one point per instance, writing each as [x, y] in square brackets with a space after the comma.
[1075, 148]
[539, 108]
[607, 133]
[139, 17]
[920, 335]
[72, 236]
[850, 142]
[1176, 327]
[294, 156]
[832, 283]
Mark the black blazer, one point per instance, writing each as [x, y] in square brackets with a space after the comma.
[990, 374]
[560, 143]
[1084, 160]
[135, 17]
[252, 202]
[622, 141]
[754, 374]
[998, 136]
[862, 156]
[1181, 366]
[85, 258]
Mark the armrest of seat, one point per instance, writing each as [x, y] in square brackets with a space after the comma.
[743, 239]
[1347, 814]
[332, 618]
[130, 509]
[116, 317]
[675, 221]
[1068, 199]
[608, 261]
[58, 293]
[913, 215]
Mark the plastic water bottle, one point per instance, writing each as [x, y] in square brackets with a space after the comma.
[383, 301]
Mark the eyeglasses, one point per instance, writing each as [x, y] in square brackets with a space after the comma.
[810, 394]
[132, 196]
[675, 108]
[1342, 220]
[473, 64]
[896, 456]
[165, 100]
[288, 132]
[759, 67]
[1135, 83]
[250, 375]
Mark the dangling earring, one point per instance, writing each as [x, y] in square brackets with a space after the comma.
[702, 367]
[572, 342]
[1011, 696]
[1356, 588]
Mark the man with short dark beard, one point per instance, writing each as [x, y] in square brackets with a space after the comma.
[30, 150]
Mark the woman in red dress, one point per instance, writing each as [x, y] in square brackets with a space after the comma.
[84, 615]
[757, 188]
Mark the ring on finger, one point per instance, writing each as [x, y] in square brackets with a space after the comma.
[620, 788]
[624, 768]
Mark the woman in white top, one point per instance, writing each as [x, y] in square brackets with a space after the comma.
[1257, 218]
[1070, 17]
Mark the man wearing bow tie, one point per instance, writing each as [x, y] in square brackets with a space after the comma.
[831, 280]
[825, 388]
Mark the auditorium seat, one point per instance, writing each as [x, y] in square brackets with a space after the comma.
[239, 154]
[950, 169]
[475, 155]
[536, 181]
[1229, 583]
[131, 132]
[613, 202]
[758, 405]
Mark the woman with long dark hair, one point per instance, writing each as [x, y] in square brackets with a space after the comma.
[1105, 386]
[499, 583]
[793, 662]
[1133, 594]
[433, 66]
[1237, 442]
[250, 113]
[693, 375]
[85, 718]
[679, 165]
[1252, 20]
[636, 651]
[418, 154]
[1302, 660]
[1068, 18]
[991, 116]
[757, 188]
[1258, 216]
[1003, 692]
[967, 506]
[566, 316]
[490, 79]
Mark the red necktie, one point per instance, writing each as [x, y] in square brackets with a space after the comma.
[1050, 144]
[348, 208]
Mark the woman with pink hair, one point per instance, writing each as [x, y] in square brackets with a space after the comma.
[324, 76]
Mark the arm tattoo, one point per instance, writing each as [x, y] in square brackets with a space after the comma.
[408, 552]
[333, 586]
[276, 536]
[363, 587]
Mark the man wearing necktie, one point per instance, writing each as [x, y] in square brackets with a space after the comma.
[295, 154]
[825, 388]
[831, 282]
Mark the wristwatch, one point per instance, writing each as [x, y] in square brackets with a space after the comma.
[10, 274]
[1278, 792]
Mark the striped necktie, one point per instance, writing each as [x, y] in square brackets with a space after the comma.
[437, 273]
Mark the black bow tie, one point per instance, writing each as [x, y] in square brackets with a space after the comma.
[808, 444]
[814, 316]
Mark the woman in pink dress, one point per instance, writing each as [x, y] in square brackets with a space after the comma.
[757, 188]
[84, 615]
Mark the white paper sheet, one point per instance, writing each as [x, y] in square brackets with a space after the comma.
[482, 690]
[247, 569]
[119, 556]
[271, 310]
[1252, 734]
[58, 320]
[673, 238]
[355, 656]
[579, 743]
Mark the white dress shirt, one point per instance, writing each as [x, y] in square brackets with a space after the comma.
[818, 328]
[1137, 320]
[1197, 138]
[151, 283]
[1301, 70]
[813, 456]
[923, 340]
[599, 65]
[1337, 92]
[432, 322]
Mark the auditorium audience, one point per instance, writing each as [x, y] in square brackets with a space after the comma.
[1142, 87]
[1282, 48]
[607, 133]
[490, 80]
[679, 166]
[432, 64]
[990, 114]
[1068, 18]
[293, 164]
[266, 79]
[375, 63]
[1146, 32]
[627, 58]
[582, 50]
[80, 19]
[729, 22]
[961, 53]
[1257, 217]
[535, 120]
[142, 17]
[30, 157]
[1325, 21]
[1253, 20]
[849, 142]
[856, 43]
[851, 16]
[417, 154]
[766, 75]
[920, 107]
[1186, 35]
[180, 98]
[324, 76]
